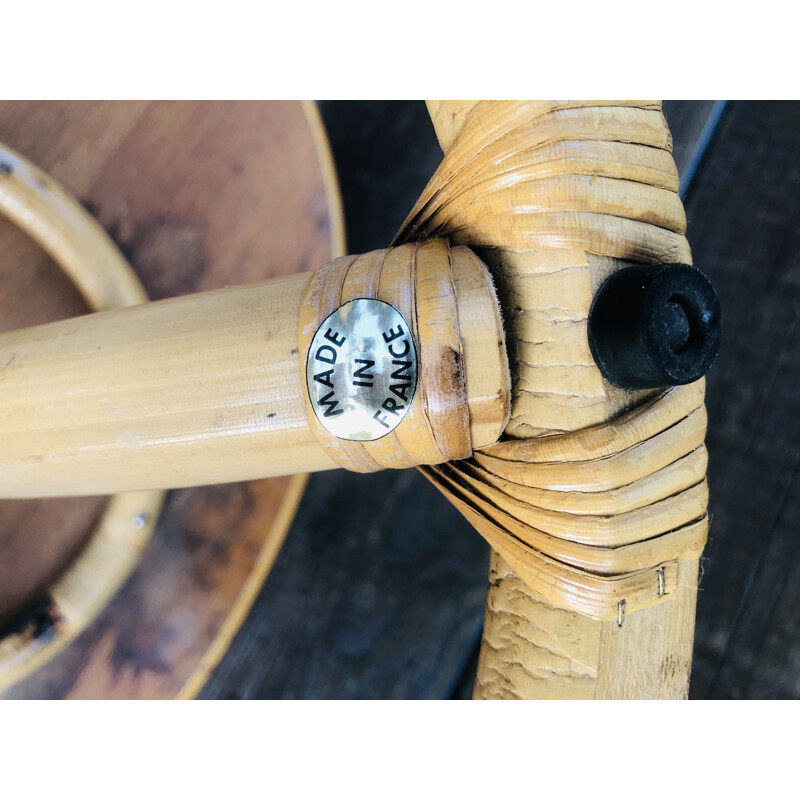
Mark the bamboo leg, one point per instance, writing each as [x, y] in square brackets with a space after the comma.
[563, 193]
[532, 649]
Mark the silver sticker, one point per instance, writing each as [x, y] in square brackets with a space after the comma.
[361, 370]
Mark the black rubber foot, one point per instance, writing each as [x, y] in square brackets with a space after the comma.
[655, 326]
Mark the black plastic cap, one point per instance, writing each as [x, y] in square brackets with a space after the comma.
[655, 326]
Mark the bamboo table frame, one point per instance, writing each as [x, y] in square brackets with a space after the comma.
[553, 223]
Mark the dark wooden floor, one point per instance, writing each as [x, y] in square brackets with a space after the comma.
[379, 589]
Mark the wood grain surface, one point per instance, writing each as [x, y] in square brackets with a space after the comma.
[198, 196]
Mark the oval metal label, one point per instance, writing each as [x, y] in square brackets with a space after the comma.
[361, 370]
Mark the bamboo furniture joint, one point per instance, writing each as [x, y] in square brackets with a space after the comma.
[534, 340]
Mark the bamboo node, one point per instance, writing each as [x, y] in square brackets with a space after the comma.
[449, 388]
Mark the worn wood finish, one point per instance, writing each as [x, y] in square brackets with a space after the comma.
[184, 230]
[171, 622]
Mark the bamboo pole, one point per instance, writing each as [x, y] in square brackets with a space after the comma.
[204, 389]
[561, 194]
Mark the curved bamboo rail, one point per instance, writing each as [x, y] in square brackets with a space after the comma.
[55, 221]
